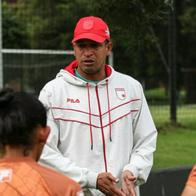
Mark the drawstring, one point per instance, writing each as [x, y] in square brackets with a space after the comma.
[109, 111]
[90, 114]
[89, 106]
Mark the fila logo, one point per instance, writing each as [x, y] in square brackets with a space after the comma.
[70, 100]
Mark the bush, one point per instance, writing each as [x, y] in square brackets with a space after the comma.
[160, 96]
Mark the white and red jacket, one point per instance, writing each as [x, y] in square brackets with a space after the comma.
[98, 127]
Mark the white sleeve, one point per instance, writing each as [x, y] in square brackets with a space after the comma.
[144, 143]
[52, 157]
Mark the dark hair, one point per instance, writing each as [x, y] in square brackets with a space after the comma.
[20, 114]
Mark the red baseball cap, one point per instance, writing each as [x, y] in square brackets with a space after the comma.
[93, 28]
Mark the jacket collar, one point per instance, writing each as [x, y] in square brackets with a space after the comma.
[74, 64]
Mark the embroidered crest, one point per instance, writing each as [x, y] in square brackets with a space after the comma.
[87, 25]
[120, 93]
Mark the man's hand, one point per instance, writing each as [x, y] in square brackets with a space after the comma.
[128, 186]
[106, 183]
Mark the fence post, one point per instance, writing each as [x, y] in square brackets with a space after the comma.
[172, 60]
[1, 55]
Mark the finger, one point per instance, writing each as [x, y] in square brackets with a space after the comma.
[130, 177]
[112, 190]
[117, 192]
[128, 186]
[112, 178]
[129, 181]
[131, 190]
[105, 191]
[125, 190]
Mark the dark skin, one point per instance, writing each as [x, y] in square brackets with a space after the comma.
[106, 183]
[128, 181]
[91, 57]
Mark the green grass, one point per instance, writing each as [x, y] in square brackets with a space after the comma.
[176, 143]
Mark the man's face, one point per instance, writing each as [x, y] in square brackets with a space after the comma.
[91, 57]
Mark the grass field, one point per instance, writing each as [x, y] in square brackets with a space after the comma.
[176, 143]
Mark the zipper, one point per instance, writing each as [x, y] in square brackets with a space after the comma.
[102, 131]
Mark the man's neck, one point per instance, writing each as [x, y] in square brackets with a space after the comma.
[86, 80]
[16, 152]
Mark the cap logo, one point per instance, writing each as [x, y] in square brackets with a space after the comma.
[88, 24]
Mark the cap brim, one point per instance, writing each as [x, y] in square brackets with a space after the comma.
[90, 36]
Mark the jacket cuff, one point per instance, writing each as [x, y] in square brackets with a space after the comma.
[139, 181]
[132, 169]
[92, 179]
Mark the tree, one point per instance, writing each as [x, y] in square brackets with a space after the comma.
[134, 45]
[14, 30]
[50, 25]
[187, 54]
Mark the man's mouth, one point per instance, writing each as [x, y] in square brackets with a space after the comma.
[88, 62]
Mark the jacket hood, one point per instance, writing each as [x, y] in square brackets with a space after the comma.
[68, 74]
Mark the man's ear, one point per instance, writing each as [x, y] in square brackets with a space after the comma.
[109, 47]
[43, 134]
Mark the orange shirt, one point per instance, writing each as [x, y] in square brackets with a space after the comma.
[192, 178]
[25, 177]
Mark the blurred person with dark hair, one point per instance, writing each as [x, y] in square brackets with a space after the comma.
[14, 84]
[190, 187]
[23, 133]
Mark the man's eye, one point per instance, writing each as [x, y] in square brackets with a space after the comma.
[81, 45]
[91, 45]
[94, 45]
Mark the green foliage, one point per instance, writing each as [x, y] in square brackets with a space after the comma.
[188, 21]
[129, 23]
[160, 96]
[14, 30]
[156, 94]
[49, 24]
[186, 55]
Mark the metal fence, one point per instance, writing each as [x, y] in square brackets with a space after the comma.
[166, 182]
[29, 70]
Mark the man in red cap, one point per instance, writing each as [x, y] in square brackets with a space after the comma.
[102, 133]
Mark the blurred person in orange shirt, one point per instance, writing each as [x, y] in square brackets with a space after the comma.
[190, 187]
[23, 133]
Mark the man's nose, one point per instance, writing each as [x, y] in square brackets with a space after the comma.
[88, 51]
